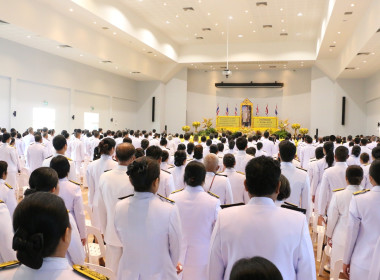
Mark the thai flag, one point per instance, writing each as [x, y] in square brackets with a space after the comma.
[236, 110]
[266, 110]
[217, 110]
[275, 111]
[227, 110]
[257, 110]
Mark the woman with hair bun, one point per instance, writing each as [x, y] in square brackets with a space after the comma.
[95, 169]
[45, 179]
[354, 158]
[148, 226]
[178, 170]
[41, 240]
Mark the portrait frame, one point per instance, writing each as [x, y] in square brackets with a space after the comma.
[246, 108]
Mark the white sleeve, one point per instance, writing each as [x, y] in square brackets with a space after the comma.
[306, 264]
[6, 235]
[354, 221]
[229, 196]
[175, 236]
[333, 214]
[374, 271]
[79, 214]
[169, 186]
[75, 251]
[216, 265]
[306, 198]
[323, 195]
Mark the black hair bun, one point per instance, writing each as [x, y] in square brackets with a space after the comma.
[29, 248]
[137, 167]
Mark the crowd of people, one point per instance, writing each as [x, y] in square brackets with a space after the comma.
[170, 206]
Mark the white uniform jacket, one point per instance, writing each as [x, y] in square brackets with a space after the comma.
[35, 155]
[198, 211]
[7, 194]
[220, 185]
[236, 179]
[77, 150]
[113, 185]
[260, 228]
[363, 228]
[166, 186]
[6, 235]
[178, 173]
[151, 234]
[374, 271]
[9, 155]
[299, 185]
[242, 159]
[306, 153]
[71, 176]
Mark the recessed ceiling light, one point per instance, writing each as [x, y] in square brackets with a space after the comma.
[282, 20]
[373, 53]
[230, 17]
[251, 22]
[177, 16]
[237, 68]
[334, 42]
[298, 34]
[330, 50]
[364, 61]
[339, 32]
[352, 5]
[281, 9]
[216, 24]
[165, 3]
[114, 33]
[167, 22]
[240, 36]
[299, 15]
[116, 67]
[94, 22]
[29, 36]
[155, 55]
[254, 31]
[222, 32]
[81, 55]
[187, 26]
[199, 1]
[209, 14]
[246, 11]
[283, 30]
[71, 10]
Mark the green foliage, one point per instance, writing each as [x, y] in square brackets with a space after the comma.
[207, 132]
[281, 133]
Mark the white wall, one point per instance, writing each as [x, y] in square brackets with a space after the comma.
[29, 77]
[372, 98]
[293, 100]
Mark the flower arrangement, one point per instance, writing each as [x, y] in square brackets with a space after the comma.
[296, 126]
[196, 125]
[283, 125]
[186, 128]
[207, 123]
[304, 131]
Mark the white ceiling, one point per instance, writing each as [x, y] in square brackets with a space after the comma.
[157, 37]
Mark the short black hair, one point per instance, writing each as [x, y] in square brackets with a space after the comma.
[144, 144]
[341, 153]
[287, 151]
[354, 174]
[251, 151]
[125, 151]
[374, 171]
[186, 136]
[259, 146]
[308, 139]
[220, 147]
[195, 174]
[181, 147]
[139, 153]
[163, 142]
[164, 156]
[231, 144]
[179, 158]
[142, 172]
[376, 152]
[266, 134]
[190, 148]
[208, 142]
[364, 157]
[154, 152]
[356, 151]
[285, 190]
[61, 165]
[262, 176]
[319, 153]
[213, 149]
[198, 152]
[256, 268]
[127, 140]
[3, 168]
[37, 137]
[364, 141]
[241, 143]
[229, 160]
[6, 136]
[43, 179]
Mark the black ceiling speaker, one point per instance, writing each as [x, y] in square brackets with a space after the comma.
[111, 119]
[14, 113]
[73, 117]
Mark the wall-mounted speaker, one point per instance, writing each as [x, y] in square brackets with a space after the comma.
[166, 128]
[73, 117]
[316, 134]
[343, 110]
[111, 119]
[14, 113]
[153, 107]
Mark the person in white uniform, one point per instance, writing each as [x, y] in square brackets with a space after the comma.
[179, 169]
[354, 158]
[363, 228]
[166, 186]
[71, 194]
[7, 192]
[113, 185]
[60, 146]
[333, 178]
[268, 145]
[94, 170]
[36, 153]
[9, 155]
[260, 228]
[78, 152]
[298, 178]
[198, 211]
[93, 144]
[375, 155]
[241, 156]
[42, 237]
[236, 178]
[217, 184]
[45, 179]
[48, 144]
[374, 270]
[148, 227]
[7, 254]
[28, 139]
[336, 231]
[256, 268]
[306, 153]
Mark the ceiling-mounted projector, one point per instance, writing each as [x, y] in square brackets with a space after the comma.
[227, 73]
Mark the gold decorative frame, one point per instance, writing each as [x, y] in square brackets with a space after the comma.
[246, 102]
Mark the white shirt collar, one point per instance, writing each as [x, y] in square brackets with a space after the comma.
[261, 201]
[194, 189]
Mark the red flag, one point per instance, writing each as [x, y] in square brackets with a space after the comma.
[266, 110]
[257, 110]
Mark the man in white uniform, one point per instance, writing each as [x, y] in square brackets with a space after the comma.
[7, 193]
[9, 155]
[217, 184]
[363, 228]
[298, 178]
[28, 139]
[114, 184]
[260, 228]
[77, 151]
[306, 153]
[36, 153]
[7, 254]
[268, 146]
[241, 156]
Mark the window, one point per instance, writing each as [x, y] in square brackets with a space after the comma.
[91, 121]
[43, 117]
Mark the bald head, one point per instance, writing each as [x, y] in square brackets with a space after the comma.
[211, 162]
[125, 152]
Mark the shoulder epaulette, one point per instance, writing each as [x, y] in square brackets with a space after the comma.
[242, 173]
[313, 159]
[76, 183]
[337, 190]
[165, 171]
[301, 168]
[296, 159]
[166, 199]
[178, 190]
[212, 194]
[107, 170]
[231, 205]
[121, 198]
[291, 207]
[2, 201]
[171, 167]
[88, 273]
[48, 157]
[69, 159]
[43, 144]
[291, 204]
[10, 264]
[9, 186]
[219, 174]
[362, 191]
